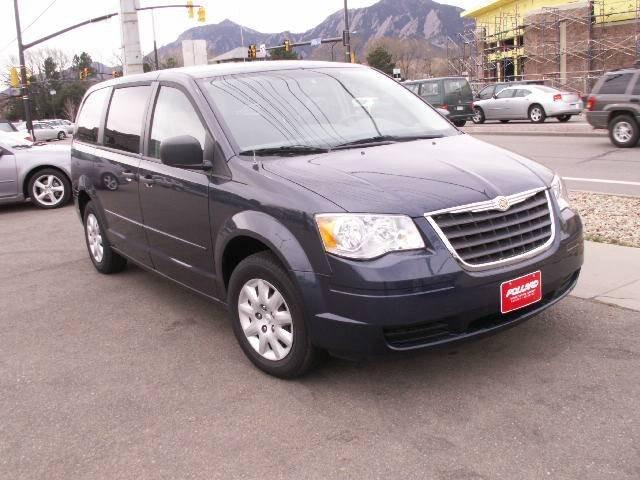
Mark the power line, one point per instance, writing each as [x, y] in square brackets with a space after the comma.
[27, 27]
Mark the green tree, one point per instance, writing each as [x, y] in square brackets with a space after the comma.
[81, 62]
[381, 59]
[169, 63]
[282, 54]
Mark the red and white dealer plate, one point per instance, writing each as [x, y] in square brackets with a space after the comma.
[521, 292]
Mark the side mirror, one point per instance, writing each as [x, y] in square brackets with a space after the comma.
[183, 151]
[494, 96]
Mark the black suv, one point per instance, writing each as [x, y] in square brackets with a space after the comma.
[614, 104]
[326, 205]
[452, 94]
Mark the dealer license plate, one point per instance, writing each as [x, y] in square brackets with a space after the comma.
[521, 292]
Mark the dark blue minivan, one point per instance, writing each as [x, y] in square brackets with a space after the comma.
[331, 209]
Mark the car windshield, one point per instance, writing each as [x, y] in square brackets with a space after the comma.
[321, 108]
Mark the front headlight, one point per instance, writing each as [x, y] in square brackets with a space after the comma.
[559, 190]
[364, 236]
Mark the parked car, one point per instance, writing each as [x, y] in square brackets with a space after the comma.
[322, 223]
[39, 172]
[449, 93]
[533, 102]
[45, 132]
[614, 104]
[7, 126]
[65, 125]
[495, 88]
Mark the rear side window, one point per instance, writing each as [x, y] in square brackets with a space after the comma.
[125, 117]
[430, 89]
[90, 115]
[615, 84]
[174, 115]
[636, 89]
[522, 93]
[458, 86]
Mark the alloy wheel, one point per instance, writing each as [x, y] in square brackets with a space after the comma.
[265, 319]
[623, 131]
[48, 190]
[110, 182]
[94, 238]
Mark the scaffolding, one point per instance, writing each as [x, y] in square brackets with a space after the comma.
[565, 47]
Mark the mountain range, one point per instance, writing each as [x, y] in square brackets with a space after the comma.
[404, 19]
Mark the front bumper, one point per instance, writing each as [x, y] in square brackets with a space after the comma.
[413, 300]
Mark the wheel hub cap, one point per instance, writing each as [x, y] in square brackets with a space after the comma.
[265, 319]
[622, 132]
[94, 238]
[48, 190]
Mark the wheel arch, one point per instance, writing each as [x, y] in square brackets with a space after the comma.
[250, 232]
[616, 112]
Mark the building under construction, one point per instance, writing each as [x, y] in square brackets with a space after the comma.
[569, 43]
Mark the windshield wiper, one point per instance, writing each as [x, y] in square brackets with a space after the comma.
[385, 140]
[286, 150]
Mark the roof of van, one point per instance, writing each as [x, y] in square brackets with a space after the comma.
[206, 71]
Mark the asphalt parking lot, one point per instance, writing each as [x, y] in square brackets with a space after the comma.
[128, 376]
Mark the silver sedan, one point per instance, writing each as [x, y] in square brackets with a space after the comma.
[39, 172]
[533, 102]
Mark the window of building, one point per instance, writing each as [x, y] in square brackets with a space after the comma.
[174, 115]
[615, 84]
[90, 115]
[125, 118]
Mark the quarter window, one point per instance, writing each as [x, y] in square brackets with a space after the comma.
[174, 115]
[636, 89]
[615, 84]
[90, 115]
[125, 118]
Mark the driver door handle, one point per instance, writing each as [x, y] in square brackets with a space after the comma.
[129, 175]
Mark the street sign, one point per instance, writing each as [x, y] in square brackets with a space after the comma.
[262, 51]
[315, 42]
[397, 74]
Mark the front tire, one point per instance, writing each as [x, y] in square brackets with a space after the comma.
[624, 131]
[49, 188]
[104, 258]
[537, 114]
[268, 317]
[478, 116]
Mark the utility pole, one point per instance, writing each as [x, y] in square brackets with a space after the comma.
[346, 35]
[130, 35]
[24, 88]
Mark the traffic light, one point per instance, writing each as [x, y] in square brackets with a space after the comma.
[287, 46]
[202, 14]
[116, 73]
[190, 8]
[253, 52]
[84, 73]
[14, 80]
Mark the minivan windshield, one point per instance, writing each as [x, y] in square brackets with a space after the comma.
[321, 108]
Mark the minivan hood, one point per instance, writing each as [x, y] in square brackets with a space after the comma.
[413, 178]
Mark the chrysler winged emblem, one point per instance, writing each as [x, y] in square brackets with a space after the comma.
[501, 203]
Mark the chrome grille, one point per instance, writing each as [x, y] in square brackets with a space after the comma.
[482, 235]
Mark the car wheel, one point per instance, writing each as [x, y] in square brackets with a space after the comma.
[624, 131]
[537, 114]
[61, 136]
[49, 188]
[564, 118]
[459, 123]
[268, 319]
[104, 258]
[504, 121]
[109, 182]
[478, 116]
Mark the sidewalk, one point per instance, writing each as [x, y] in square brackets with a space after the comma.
[574, 128]
[611, 274]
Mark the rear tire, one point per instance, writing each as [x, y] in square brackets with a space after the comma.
[278, 346]
[504, 121]
[537, 113]
[624, 131]
[49, 188]
[459, 123]
[478, 116]
[104, 258]
[564, 118]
